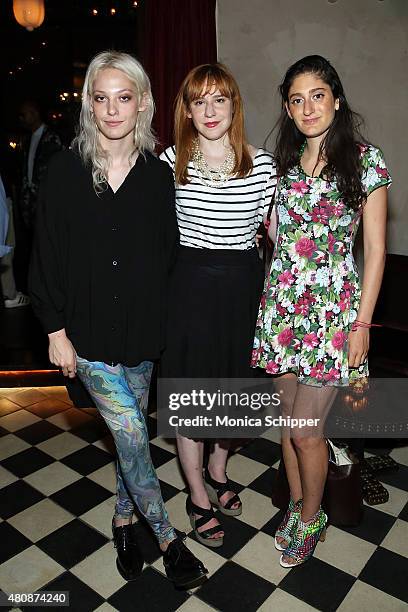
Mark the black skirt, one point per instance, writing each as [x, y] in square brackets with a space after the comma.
[213, 306]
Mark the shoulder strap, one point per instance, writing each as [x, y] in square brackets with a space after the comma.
[272, 203]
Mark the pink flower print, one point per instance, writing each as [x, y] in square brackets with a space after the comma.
[332, 374]
[338, 340]
[285, 337]
[294, 215]
[311, 340]
[344, 303]
[328, 208]
[254, 359]
[307, 296]
[329, 315]
[302, 306]
[286, 279]
[331, 241]
[317, 371]
[322, 212]
[382, 172]
[296, 344]
[316, 217]
[300, 188]
[338, 209]
[281, 310]
[305, 247]
[272, 367]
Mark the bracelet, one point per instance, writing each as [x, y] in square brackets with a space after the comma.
[358, 324]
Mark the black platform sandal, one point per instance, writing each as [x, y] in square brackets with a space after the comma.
[205, 515]
[216, 490]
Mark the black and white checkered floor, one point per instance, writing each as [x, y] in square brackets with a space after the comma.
[57, 486]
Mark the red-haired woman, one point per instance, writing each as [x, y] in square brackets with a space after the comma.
[223, 186]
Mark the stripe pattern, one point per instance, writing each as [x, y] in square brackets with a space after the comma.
[226, 217]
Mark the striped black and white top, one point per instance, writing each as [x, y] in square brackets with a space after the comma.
[225, 217]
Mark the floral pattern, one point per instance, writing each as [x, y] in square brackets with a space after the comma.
[312, 293]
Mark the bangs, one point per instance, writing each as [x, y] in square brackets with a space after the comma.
[207, 80]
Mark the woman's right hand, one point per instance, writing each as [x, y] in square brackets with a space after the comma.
[61, 353]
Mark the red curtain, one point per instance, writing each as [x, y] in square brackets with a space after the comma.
[178, 35]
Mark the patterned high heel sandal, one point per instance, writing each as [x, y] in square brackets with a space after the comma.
[289, 523]
[305, 539]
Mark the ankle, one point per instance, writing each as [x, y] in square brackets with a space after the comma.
[217, 473]
[122, 521]
[164, 545]
[306, 519]
[201, 499]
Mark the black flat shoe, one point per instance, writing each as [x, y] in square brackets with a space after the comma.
[129, 560]
[182, 567]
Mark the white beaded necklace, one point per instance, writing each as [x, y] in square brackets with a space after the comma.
[213, 177]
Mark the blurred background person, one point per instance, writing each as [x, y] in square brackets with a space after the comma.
[12, 298]
[38, 147]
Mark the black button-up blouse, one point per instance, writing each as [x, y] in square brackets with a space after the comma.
[100, 264]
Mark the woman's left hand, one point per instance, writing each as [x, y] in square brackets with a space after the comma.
[358, 344]
[258, 240]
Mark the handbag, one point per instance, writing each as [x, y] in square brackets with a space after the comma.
[342, 498]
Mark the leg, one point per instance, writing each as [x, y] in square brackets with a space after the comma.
[112, 395]
[124, 505]
[310, 445]
[287, 386]
[217, 465]
[137, 479]
[191, 459]
[312, 455]
[139, 381]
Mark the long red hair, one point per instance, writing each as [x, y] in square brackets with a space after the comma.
[202, 80]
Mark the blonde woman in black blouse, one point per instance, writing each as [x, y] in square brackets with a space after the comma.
[105, 236]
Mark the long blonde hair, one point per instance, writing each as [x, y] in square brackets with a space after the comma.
[87, 140]
[205, 78]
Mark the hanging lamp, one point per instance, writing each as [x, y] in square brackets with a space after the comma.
[29, 13]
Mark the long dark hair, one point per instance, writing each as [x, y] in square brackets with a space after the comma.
[340, 145]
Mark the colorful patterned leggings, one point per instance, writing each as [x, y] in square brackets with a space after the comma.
[121, 394]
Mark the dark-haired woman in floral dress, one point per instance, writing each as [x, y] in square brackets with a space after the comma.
[314, 319]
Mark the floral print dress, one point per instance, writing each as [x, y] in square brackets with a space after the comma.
[312, 294]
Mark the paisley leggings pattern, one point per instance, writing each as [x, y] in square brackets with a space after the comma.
[121, 394]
